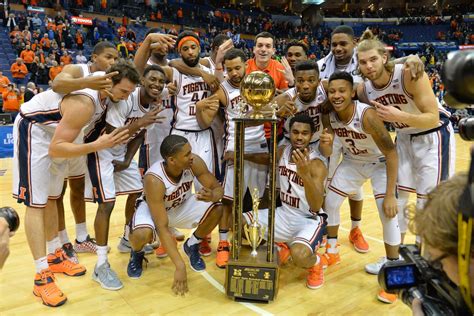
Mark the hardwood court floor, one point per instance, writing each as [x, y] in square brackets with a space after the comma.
[348, 289]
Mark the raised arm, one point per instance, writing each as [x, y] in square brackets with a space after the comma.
[151, 42]
[155, 195]
[77, 111]
[72, 79]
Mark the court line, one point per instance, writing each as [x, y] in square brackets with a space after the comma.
[220, 287]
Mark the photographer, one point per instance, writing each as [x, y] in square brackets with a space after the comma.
[437, 225]
[9, 223]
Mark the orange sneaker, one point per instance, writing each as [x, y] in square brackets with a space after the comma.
[315, 278]
[160, 252]
[59, 263]
[332, 258]
[385, 297]
[223, 253]
[204, 248]
[324, 261]
[357, 240]
[284, 253]
[47, 290]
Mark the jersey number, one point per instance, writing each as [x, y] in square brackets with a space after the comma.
[195, 99]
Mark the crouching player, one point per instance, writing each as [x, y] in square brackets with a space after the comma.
[168, 202]
[299, 222]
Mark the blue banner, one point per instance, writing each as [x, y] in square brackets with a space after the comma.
[6, 141]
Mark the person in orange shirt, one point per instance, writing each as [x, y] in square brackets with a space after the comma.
[282, 75]
[159, 16]
[45, 43]
[79, 40]
[16, 31]
[11, 103]
[28, 56]
[19, 72]
[66, 59]
[55, 70]
[4, 81]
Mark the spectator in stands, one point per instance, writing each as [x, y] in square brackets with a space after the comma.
[11, 22]
[28, 56]
[79, 40]
[4, 81]
[11, 101]
[55, 70]
[80, 58]
[16, 31]
[19, 71]
[43, 74]
[34, 69]
[36, 22]
[66, 59]
[45, 43]
[30, 91]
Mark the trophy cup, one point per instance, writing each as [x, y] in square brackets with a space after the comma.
[254, 232]
[253, 275]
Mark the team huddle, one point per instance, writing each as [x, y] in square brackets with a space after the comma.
[178, 114]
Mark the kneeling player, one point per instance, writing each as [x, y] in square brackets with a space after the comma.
[368, 153]
[299, 221]
[169, 202]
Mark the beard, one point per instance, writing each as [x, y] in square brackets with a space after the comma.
[191, 62]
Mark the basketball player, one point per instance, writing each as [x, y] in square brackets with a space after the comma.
[73, 78]
[228, 98]
[113, 172]
[299, 221]
[307, 98]
[343, 57]
[211, 61]
[42, 134]
[168, 200]
[425, 139]
[368, 153]
[296, 51]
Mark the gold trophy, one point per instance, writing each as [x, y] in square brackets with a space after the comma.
[253, 275]
[254, 232]
[257, 90]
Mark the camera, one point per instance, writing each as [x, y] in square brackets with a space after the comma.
[458, 77]
[11, 216]
[415, 277]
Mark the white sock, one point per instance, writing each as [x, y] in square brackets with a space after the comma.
[193, 240]
[126, 232]
[223, 235]
[332, 245]
[101, 255]
[63, 237]
[41, 264]
[355, 224]
[81, 232]
[53, 245]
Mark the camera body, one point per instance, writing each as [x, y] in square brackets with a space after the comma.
[415, 277]
[11, 216]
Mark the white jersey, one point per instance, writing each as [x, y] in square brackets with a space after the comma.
[395, 94]
[327, 66]
[156, 132]
[190, 90]
[176, 193]
[124, 113]
[312, 109]
[45, 108]
[356, 143]
[212, 65]
[292, 194]
[254, 135]
[86, 69]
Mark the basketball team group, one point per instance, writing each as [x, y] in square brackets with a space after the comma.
[178, 115]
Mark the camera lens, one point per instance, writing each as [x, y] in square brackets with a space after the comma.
[466, 128]
[11, 217]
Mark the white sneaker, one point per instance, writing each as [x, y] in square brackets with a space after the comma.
[374, 268]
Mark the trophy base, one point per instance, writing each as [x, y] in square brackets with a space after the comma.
[252, 278]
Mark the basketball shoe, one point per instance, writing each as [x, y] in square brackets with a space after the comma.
[357, 240]
[45, 288]
[59, 263]
[87, 246]
[223, 253]
[315, 278]
[195, 260]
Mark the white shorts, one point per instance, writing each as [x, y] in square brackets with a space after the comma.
[350, 176]
[76, 167]
[254, 176]
[202, 144]
[102, 184]
[292, 229]
[425, 160]
[36, 177]
[188, 215]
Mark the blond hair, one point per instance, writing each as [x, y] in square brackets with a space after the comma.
[437, 222]
[369, 41]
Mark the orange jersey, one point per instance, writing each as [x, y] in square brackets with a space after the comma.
[3, 81]
[19, 71]
[28, 56]
[10, 101]
[54, 71]
[273, 69]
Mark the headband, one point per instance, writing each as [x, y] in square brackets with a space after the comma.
[188, 38]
